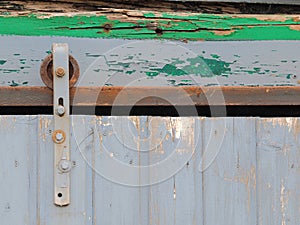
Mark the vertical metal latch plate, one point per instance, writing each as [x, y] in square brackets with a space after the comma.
[61, 134]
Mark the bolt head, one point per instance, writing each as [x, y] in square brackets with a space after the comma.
[59, 136]
[60, 72]
[65, 165]
[60, 110]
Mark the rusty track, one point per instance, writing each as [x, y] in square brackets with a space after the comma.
[155, 96]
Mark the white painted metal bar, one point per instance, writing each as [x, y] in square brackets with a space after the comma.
[61, 134]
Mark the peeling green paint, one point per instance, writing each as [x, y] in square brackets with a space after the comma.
[2, 62]
[151, 74]
[171, 26]
[9, 70]
[14, 84]
[215, 56]
[199, 66]
[206, 67]
[129, 72]
[171, 70]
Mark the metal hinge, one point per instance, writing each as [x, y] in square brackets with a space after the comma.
[61, 134]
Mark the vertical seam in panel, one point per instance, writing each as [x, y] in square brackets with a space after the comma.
[257, 120]
[203, 122]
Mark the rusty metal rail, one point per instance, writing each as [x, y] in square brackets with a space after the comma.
[155, 96]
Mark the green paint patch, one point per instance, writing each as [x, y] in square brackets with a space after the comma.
[129, 72]
[2, 62]
[24, 67]
[147, 15]
[215, 56]
[172, 82]
[92, 55]
[22, 61]
[151, 74]
[116, 70]
[206, 67]
[189, 27]
[171, 70]
[13, 84]
[183, 84]
[9, 71]
[255, 70]
[130, 57]
[199, 66]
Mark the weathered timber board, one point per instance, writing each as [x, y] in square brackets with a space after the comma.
[293, 2]
[135, 24]
[226, 174]
[104, 6]
[116, 62]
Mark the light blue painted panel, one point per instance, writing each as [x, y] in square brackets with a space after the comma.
[229, 171]
[278, 171]
[18, 171]
[114, 62]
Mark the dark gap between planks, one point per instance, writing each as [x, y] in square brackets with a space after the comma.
[185, 111]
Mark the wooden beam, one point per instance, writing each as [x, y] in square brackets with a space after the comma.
[205, 6]
[155, 96]
[46, 19]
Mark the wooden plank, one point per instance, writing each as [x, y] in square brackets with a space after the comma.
[278, 171]
[229, 179]
[18, 168]
[118, 62]
[177, 199]
[118, 198]
[205, 6]
[136, 24]
[254, 179]
[155, 96]
[292, 2]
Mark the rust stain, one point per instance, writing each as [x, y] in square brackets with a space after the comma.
[223, 32]
[248, 178]
[279, 18]
[296, 18]
[295, 27]
[107, 27]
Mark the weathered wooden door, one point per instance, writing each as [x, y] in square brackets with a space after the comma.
[222, 171]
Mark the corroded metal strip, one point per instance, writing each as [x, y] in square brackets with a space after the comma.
[156, 96]
[61, 134]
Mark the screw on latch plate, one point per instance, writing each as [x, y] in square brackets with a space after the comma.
[65, 166]
[58, 136]
[60, 72]
[60, 110]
